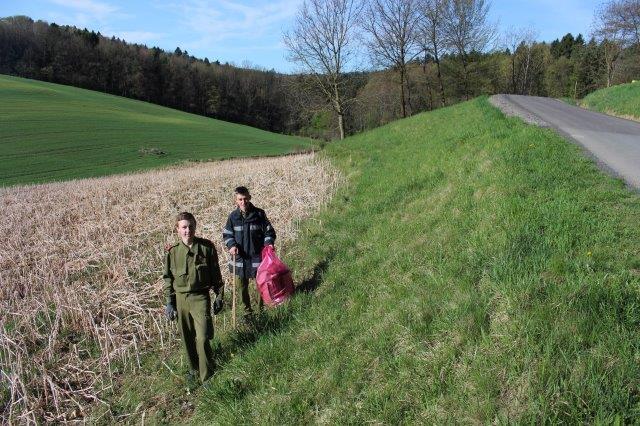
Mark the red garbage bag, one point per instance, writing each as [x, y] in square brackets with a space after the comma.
[273, 278]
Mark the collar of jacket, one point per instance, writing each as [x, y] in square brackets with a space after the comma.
[196, 246]
[251, 213]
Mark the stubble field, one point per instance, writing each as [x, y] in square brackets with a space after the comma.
[80, 270]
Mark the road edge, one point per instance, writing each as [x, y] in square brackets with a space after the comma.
[512, 108]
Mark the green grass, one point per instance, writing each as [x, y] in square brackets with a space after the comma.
[569, 101]
[473, 270]
[156, 391]
[622, 100]
[52, 132]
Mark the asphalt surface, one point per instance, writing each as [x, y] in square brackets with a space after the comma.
[614, 142]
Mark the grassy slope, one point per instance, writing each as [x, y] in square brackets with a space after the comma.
[53, 132]
[473, 269]
[622, 100]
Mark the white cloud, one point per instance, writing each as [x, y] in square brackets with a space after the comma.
[90, 14]
[76, 19]
[223, 20]
[97, 9]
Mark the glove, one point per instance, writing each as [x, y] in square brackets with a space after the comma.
[170, 312]
[218, 304]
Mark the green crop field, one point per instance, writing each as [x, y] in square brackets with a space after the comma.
[52, 132]
[472, 270]
[622, 100]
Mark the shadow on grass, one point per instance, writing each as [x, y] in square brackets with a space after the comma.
[311, 284]
[266, 323]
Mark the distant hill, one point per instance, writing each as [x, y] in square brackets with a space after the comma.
[622, 100]
[52, 132]
[81, 58]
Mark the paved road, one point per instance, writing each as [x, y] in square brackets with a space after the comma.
[613, 141]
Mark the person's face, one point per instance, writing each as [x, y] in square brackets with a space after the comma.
[186, 229]
[242, 201]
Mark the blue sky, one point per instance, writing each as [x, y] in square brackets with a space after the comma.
[249, 31]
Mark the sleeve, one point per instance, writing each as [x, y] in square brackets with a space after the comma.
[169, 293]
[216, 276]
[269, 232]
[227, 234]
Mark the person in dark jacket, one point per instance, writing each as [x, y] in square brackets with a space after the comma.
[246, 232]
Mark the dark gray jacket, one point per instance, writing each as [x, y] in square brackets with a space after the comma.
[250, 234]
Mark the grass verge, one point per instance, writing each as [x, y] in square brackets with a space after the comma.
[569, 101]
[474, 269]
[622, 100]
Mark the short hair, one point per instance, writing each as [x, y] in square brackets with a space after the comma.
[186, 216]
[242, 190]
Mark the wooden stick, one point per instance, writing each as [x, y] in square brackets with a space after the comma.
[233, 290]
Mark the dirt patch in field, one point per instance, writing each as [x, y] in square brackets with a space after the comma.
[81, 262]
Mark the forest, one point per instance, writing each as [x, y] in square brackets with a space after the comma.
[436, 65]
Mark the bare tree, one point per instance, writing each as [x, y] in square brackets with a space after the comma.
[393, 37]
[611, 43]
[611, 50]
[431, 26]
[520, 44]
[622, 17]
[322, 42]
[617, 25]
[467, 30]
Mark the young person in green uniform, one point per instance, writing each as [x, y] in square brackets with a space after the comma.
[191, 270]
[246, 232]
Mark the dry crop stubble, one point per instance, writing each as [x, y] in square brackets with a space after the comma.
[81, 264]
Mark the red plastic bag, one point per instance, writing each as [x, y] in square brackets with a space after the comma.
[274, 280]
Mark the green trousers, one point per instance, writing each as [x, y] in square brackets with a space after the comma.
[245, 285]
[196, 327]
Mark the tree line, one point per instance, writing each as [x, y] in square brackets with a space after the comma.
[86, 59]
[361, 64]
[437, 52]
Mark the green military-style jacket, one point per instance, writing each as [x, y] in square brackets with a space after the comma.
[188, 270]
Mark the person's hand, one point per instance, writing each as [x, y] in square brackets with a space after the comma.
[218, 304]
[167, 247]
[170, 312]
[233, 251]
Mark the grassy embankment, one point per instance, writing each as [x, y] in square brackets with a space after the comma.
[473, 269]
[622, 100]
[51, 132]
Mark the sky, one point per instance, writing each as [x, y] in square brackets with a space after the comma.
[249, 32]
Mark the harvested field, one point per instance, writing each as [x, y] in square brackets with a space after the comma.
[80, 269]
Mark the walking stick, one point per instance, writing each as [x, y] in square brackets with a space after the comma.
[233, 290]
[215, 317]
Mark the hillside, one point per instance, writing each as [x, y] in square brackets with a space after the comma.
[473, 270]
[52, 132]
[622, 100]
